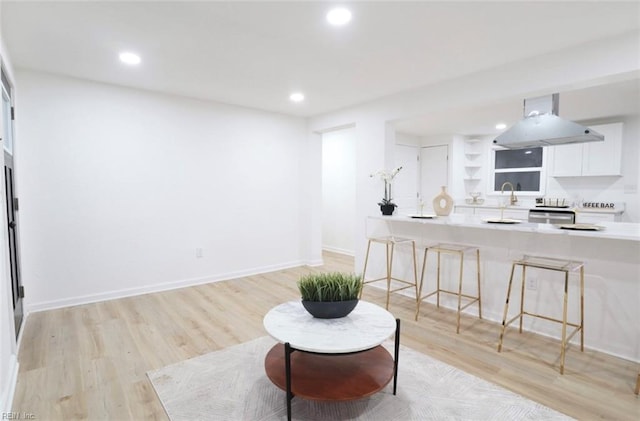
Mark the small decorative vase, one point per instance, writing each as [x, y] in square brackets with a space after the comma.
[388, 209]
[329, 309]
[443, 203]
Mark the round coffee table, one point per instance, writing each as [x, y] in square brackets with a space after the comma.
[340, 359]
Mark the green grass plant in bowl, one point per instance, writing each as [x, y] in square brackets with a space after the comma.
[330, 295]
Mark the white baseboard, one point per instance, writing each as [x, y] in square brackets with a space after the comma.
[25, 316]
[350, 253]
[316, 262]
[9, 387]
[129, 292]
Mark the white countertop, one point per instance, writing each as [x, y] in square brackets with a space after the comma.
[366, 327]
[491, 206]
[608, 211]
[599, 210]
[610, 230]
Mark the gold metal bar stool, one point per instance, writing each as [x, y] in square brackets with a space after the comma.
[638, 384]
[558, 265]
[390, 243]
[457, 250]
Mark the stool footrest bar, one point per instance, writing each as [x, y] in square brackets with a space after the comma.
[551, 319]
[512, 319]
[469, 303]
[385, 278]
[576, 330]
[473, 297]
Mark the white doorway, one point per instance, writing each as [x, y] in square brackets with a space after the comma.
[339, 191]
[434, 173]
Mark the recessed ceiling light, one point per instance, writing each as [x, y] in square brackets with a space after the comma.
[130, 58]
[296, 97]
[501, 126]
[339, 16]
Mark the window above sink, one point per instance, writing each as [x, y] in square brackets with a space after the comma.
[523, 168]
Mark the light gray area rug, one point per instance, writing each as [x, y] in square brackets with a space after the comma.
[231, 384]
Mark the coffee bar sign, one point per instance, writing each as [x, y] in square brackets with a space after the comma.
[598, 205]
[601, 207]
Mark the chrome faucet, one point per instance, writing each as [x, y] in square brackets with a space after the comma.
[513, 199]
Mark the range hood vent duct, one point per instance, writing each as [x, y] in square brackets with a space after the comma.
[542, 127]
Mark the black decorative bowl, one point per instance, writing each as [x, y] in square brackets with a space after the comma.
[329, 309]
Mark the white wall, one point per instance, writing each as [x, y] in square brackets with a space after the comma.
[338, 190]
[407, 139]
[120, 186]
[8, 346]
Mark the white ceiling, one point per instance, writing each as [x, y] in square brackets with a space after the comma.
[255, 54]
[591, 105]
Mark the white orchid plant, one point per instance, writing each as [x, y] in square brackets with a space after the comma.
[387, 177]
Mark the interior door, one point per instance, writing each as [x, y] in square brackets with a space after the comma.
[11, 201]
[405, 184]
[434, 173]
[12, 230]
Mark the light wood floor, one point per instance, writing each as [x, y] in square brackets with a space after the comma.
[89, 362]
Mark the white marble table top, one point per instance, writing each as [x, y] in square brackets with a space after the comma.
[366, 327]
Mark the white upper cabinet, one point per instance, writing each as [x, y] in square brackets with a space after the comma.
[604, 158]
[593, 158]
[567, 160]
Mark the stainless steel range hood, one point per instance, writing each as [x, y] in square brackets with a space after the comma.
[542, 127]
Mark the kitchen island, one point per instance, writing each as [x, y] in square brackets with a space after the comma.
[612, 271]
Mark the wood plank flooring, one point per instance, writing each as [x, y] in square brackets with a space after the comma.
[89, 362]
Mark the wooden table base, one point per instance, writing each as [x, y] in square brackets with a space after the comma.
[331, 377]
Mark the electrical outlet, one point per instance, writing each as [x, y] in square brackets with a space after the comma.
[199, 253]
[532, 283]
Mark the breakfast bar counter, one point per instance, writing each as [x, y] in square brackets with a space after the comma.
[606, 230]
[610, 251]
